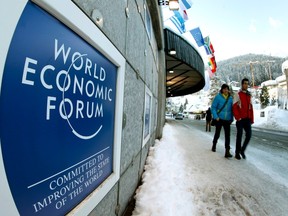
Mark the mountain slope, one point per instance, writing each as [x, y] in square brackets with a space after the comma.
[263, 68]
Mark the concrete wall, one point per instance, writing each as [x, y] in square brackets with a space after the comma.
[124, 23]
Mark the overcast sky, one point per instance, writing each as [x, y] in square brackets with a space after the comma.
[241, 27]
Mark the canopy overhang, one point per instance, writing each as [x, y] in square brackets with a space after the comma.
[184, 69]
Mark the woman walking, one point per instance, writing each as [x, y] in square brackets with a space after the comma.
[222, 112]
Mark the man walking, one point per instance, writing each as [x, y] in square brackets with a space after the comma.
[243, 113]
[208, 120]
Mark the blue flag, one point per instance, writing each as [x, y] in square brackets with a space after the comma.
[186, 3]
[207, 49]
[178, 21]
[197, 35]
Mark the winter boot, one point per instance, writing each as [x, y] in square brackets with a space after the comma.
[237, 156]
[227, 154]
[214, 147]
[243, 155]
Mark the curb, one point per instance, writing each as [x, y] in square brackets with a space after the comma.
[283, 133]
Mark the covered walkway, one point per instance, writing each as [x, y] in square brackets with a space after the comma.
[184, 66]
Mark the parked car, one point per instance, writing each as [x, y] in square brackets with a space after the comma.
[169, 115]
[179, 116]
[185, 114]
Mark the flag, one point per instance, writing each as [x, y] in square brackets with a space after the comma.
[207, 49]
[208, 46]
[183, 11]
[211, 74]
[211, 48]
[212, 64]
[178, 21]
[207, 40]
[214, 61]
[185, 4]
[207, 80]
[197, 35]
[184, 14]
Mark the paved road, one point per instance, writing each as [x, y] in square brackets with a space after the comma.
[273, 138]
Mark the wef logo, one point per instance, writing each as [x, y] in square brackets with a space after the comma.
[76, 89]
[58, 112]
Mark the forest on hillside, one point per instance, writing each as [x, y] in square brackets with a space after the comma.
[263, 67]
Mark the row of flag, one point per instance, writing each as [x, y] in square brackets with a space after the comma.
[179, 18]
[197, 35]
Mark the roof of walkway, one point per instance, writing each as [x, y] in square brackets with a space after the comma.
[187, 66]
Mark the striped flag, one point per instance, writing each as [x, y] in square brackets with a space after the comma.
[197, 35]
[184, 14]
[207, 49]
[211, 74]
[183, 11]
[178, 21]
[185, 4]
[211, 48]
[212, 64]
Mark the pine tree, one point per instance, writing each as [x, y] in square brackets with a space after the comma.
[185, 104]
[215, 86]
[264, 97]
[231, 91]
[181, 108]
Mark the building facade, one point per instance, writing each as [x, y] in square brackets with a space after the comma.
[83, 90]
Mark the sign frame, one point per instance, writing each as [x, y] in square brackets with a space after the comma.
[70, 15]
[147, 116]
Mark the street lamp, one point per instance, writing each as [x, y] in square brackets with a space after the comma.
[172, 52]
[268, 62]
[286, 74]
[251, 70]
[173, 4]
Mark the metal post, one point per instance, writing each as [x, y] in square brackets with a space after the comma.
[269, 69]
[252, 74]
[270, 75]
[286, 73]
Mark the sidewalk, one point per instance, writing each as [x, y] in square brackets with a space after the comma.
[184, 177]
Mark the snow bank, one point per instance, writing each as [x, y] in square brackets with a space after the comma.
[274, 118]
[165, 172]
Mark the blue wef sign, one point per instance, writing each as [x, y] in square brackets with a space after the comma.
[57, 111]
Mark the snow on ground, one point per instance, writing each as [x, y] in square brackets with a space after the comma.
[274, 119]
[184, 177]
[164, 181]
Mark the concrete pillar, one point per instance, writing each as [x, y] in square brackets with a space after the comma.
[161, 94]
[286, 74]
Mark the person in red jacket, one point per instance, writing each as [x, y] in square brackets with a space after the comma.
[243, 113]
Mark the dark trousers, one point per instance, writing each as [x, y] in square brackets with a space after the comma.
[246, 125]
[226, 126]
[208, 125]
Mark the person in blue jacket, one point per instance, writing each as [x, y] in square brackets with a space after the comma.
[222, 112]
